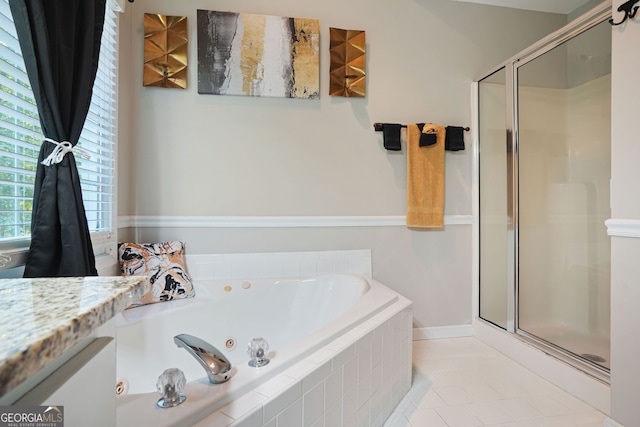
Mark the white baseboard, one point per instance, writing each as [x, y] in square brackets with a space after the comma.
[438, 332]
[610, 423]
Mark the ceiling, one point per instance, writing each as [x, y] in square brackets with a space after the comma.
[554, 6]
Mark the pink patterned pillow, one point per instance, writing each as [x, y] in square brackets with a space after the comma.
[163, 264]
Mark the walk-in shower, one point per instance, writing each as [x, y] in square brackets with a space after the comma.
[544, 172]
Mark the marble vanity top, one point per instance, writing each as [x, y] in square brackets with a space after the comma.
[42, 318]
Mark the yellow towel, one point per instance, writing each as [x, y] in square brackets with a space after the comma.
[425, 178]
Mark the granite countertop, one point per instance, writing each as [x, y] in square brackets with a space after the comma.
[40, 319]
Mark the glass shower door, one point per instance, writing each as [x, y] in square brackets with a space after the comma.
[564, 158]
[495, 223]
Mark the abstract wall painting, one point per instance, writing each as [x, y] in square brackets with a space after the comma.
[348, 59]
[258, 55]
[165, 51]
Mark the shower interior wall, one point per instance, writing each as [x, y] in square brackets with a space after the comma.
[565, 173]
[560, 191]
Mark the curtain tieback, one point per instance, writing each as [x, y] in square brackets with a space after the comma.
[61, 149]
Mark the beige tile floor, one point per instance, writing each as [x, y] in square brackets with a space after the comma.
[462, 382]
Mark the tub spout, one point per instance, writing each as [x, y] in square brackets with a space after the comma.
[216, 365]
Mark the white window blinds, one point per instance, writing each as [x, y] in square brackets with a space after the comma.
[21, 136]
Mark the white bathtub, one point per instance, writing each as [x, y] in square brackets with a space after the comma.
[313, 327]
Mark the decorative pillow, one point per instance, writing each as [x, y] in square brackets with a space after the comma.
[163, 264]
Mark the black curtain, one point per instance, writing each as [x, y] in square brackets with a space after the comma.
[60, 42]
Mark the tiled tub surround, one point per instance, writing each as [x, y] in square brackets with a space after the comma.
[356, 380]
[352, 372]
[43, 318]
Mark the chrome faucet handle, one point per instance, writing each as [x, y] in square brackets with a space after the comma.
[258, 349]
[170, 385]
[215, 364]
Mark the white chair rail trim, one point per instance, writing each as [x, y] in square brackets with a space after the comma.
[623, 227]
[275, 221]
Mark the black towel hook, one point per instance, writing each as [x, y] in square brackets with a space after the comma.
[629, 11]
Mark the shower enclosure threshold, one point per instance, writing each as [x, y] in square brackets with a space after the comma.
[577, 361]
[583, 380]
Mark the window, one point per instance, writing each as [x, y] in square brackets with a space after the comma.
[21, 137]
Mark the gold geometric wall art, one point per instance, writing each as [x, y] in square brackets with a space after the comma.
[165, 51]
[348, 58]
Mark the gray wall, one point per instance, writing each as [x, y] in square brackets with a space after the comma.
[182, 154]
[625, 251]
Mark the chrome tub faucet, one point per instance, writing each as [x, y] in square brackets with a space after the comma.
[215, 364]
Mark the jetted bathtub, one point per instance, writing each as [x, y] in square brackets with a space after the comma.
[339, 350]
